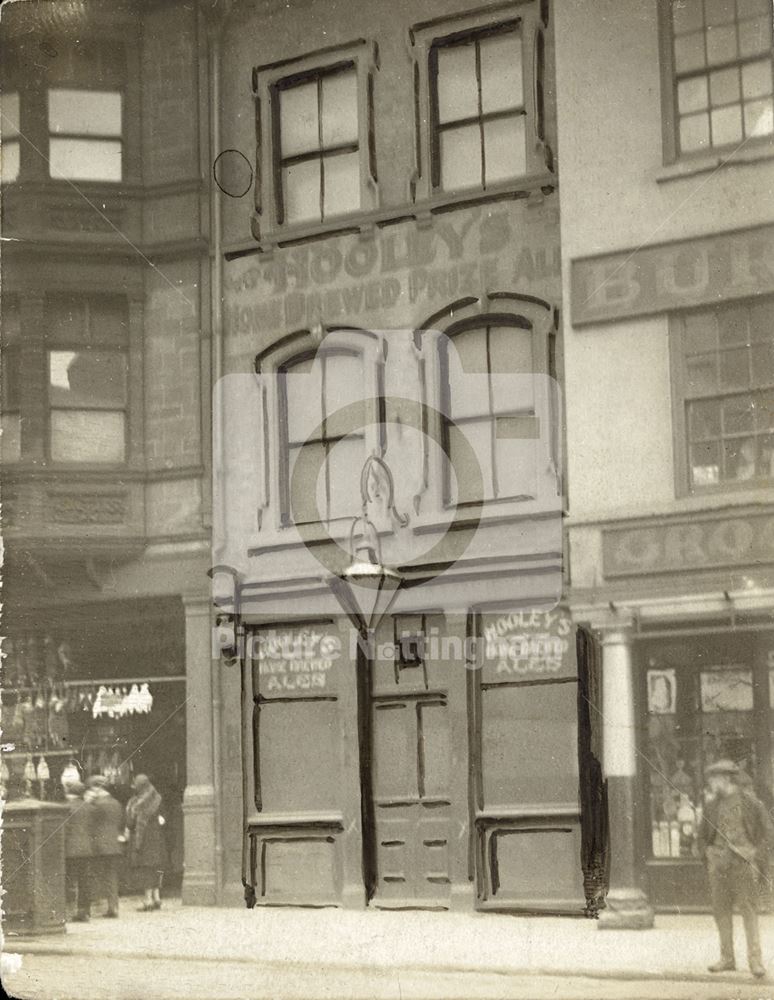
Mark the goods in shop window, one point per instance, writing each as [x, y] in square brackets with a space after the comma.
[65, 657]
[70, 773]
[42, 774]
[34, 660]
[50, 659]
[30, 775]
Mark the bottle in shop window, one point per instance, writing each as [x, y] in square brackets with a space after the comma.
[663, 839]
[674, 839]
[30, 776]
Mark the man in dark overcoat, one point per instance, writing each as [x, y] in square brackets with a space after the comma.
[106, 842]
[736, 831]
[78, 849]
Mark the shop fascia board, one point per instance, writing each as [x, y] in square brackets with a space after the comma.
[675, 608]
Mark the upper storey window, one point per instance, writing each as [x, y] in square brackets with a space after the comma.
[482, 96]
[719, 61]
[479, 118]
[85, 134]
[725, 395]
[316, 161]
[9, 136]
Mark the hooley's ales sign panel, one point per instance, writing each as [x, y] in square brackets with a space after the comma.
[526, 645]
[679, 275]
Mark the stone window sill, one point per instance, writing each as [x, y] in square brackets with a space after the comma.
[706, 163]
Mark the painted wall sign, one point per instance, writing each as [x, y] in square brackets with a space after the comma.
[295, 662]
[689, 544]
[679, 275]
[523, 644]
[393, 276]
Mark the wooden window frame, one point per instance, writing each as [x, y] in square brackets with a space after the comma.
[271, 363]
[680, 400]
[531, 19]
[669, 112]
[267, 221]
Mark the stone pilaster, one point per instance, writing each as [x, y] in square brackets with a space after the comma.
[627, 905]
[199, 799]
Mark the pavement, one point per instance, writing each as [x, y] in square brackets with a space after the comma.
[678, 948]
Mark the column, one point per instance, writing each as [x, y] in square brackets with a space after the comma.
[627, 905]
[199, 800]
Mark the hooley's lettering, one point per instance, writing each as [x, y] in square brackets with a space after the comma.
[349, 277]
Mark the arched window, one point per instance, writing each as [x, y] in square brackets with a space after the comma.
[324, 421]
[491, 426]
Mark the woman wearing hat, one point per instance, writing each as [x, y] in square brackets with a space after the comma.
[735, 832]
[144, 824]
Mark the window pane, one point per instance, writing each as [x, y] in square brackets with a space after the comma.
[726, 691]
[749, 8]
[692, 94]
[700, 333]
[303, 393]
[339, 109]
[686, 15]
[719, 11]
[87, 436]
[344, 387]
[505, 149]
[732, 327]
[298, 119]
[85, 159]
[501, 79]
[9, 161]
[457, 84]
[689, 52]
[510, 349]
[705, 463]
[756, 78]
[704, 420]
[345, 462]
[84, 112]
[301, 191]
[10, 362]
[764, 411]
[342, 184]
[87, 379]
[721, 44]
[461, 158]
[307, 482]
[701, 374]
[515, 456]
[759, 118]
[694, 132]
[740, 459]
[470, 450]
[468, 381]
[762, 321]
[9, 110]
[10, 442]
[738, 415]
[727, 126]
[755, 36]
[763, 364]
[734, 369]
[724, 86]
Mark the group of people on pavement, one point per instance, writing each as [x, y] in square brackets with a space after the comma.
[99, 830]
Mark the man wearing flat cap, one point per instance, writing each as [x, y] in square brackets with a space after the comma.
[735, 832]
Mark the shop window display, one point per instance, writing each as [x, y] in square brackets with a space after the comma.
[695, 716]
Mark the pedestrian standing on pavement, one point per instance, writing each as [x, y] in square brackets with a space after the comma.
[735, 833]
[106, 842]
[78, 849]
[144, 823]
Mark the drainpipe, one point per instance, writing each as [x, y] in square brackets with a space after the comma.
[216, 325]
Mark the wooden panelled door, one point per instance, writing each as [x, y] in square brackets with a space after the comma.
[410, 768]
